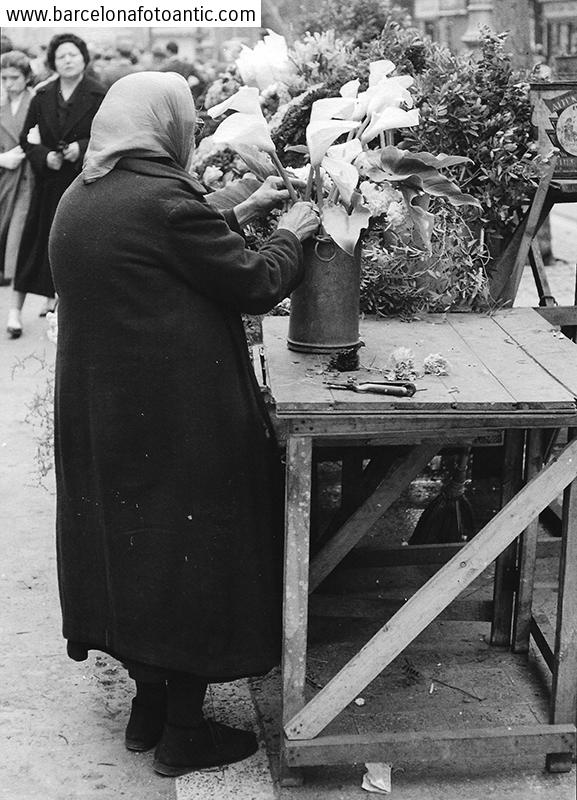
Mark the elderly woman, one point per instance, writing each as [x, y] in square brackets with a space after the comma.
[169, 490]
[15, 172]
[54, 138]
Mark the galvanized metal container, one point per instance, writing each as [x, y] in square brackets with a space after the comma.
[324, 315]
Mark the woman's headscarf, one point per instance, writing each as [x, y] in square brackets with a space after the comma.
[143, 115]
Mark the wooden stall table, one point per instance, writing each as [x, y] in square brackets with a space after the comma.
[510, 371]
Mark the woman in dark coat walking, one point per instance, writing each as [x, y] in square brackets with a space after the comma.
[54, 138]
[169, 505]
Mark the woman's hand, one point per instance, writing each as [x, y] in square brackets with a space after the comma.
[71, 152]
[12, 159]
[54, 160]
[270, 194]
[302, 219]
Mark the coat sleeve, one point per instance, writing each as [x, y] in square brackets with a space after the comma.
[213, 259]
[35, 153]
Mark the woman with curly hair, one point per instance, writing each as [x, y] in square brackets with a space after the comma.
[54, 137]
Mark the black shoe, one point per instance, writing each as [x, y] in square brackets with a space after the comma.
[144, 727]
[5, 281]
[183, 750]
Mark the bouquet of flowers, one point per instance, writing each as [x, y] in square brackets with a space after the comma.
[359, 179]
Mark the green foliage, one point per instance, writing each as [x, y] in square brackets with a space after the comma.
[397, 279]
[480, 109]
[358, 21]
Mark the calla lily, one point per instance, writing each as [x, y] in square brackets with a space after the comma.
[246, 100]
[388, 92]
[344, 175]
[345, 228]
[244, 129]
[350, 89]
[332, 108]
[321, 134]
[347, 151]
[266, 63]
[379, 69]
[389, 119]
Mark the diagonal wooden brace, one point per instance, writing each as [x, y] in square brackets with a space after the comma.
[434, 596]
[401, 472]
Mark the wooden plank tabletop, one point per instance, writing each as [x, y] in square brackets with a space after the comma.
[509, 361]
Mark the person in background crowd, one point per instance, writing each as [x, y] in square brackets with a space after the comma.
[5, 44]
[40, 68]
[169, 482]
[15, 172]
[184, 67]
[116, 64]
[54, 138]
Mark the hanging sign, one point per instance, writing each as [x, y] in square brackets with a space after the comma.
[555, 121]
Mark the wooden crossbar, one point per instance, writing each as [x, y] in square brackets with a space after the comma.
[434, 596]
[432, 746]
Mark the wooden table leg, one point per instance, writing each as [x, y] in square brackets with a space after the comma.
[506, 564]
[527, 554]
[296, 579]
[563, 706]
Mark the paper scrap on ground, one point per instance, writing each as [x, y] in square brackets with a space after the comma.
[377, 778]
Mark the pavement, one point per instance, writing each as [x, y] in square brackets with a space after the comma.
[62, 722]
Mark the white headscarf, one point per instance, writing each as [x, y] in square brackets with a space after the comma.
[143, 115]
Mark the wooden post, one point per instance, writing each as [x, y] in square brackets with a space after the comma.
[564, 689]
[296, 576]
[506, 564]
[527, 554]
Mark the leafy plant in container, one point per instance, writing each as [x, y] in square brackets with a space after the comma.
[364, 186]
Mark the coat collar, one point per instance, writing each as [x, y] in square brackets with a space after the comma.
[86, 91]
[161, 169]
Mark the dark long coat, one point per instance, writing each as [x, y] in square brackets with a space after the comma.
[32, 268]
[169, 509]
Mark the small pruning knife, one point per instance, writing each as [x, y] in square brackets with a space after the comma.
[396, 388]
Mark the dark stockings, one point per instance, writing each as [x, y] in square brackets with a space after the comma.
[184, 699]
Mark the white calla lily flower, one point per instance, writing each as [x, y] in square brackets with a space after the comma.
[332, 108]
[387, 120]
[379, 69]
[244, 129]
[350, 89]
[246, 100]
[347, 151]
[344, 175]
[321, 135]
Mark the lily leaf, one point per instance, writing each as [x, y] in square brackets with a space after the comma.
[344, 175]
[246, 100]
[441, 160]
[416, 169]
[258, 162]
[244, 129]
[232, 194]
[387, 120]
[321, 135]
[345, 228]
[297, 148]
[332, 108]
